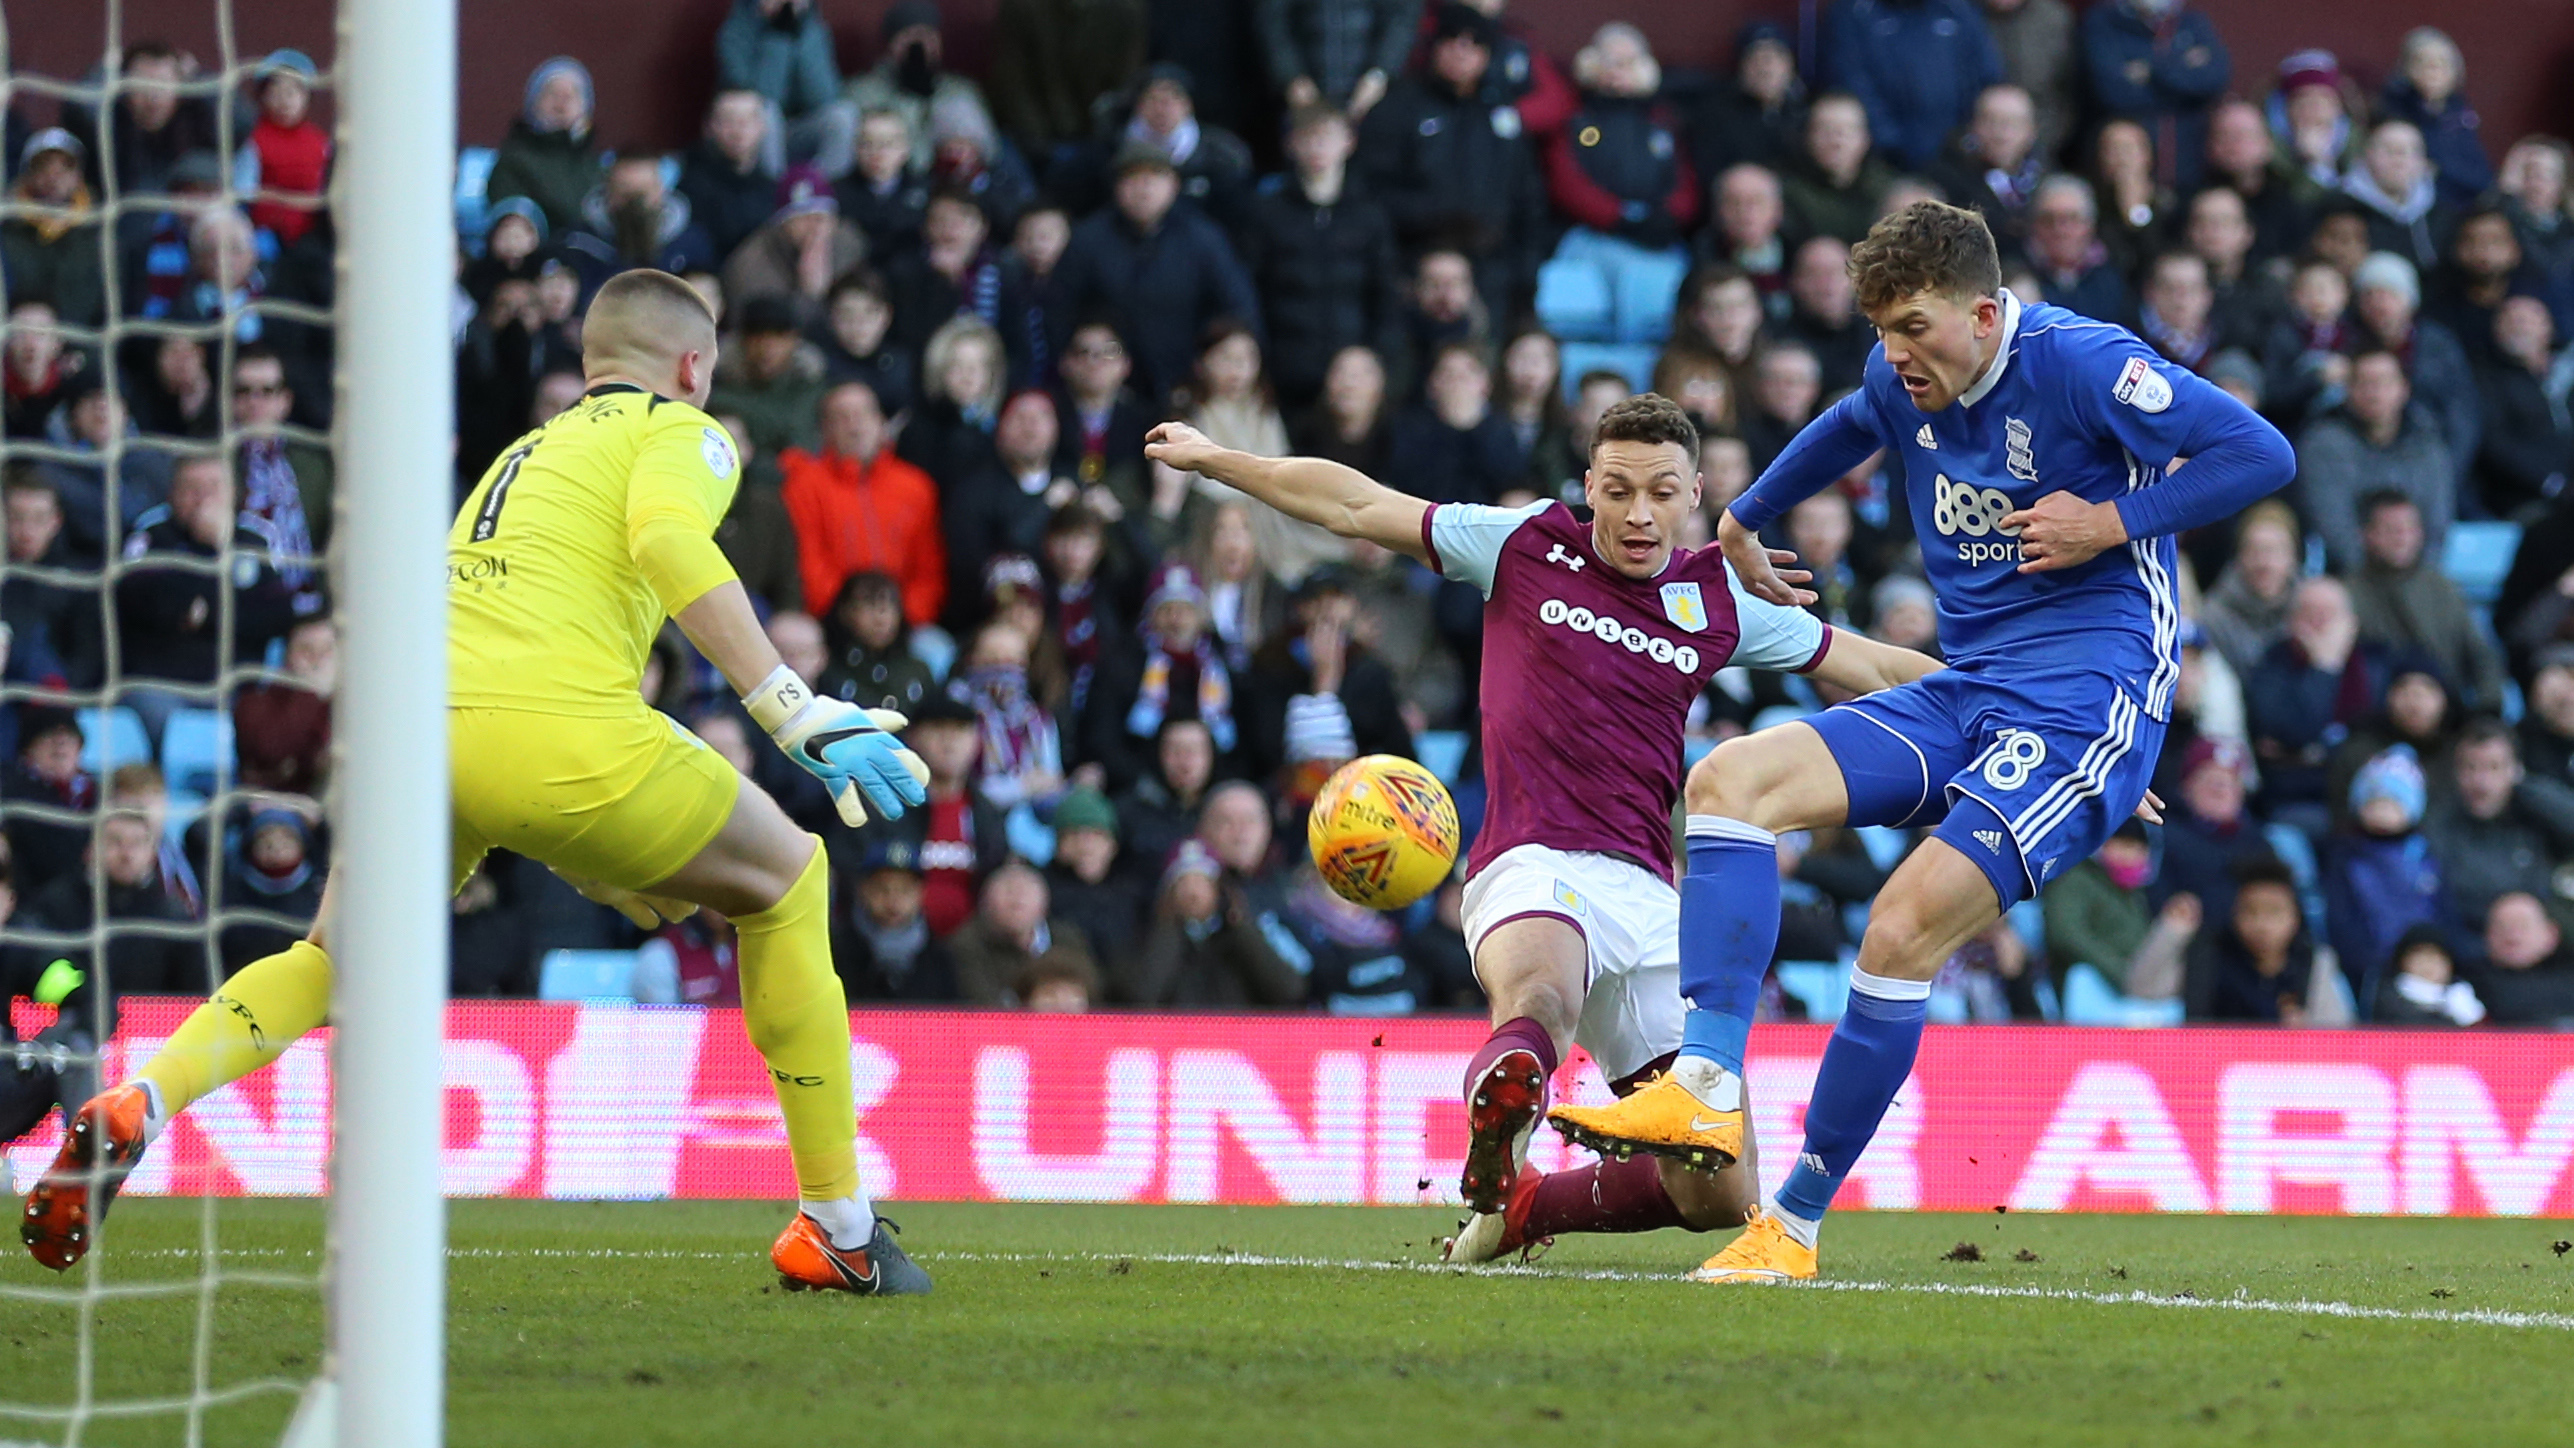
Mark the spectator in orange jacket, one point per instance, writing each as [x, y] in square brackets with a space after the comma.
[858, 507]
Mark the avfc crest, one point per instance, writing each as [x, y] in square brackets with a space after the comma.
[1682, 604]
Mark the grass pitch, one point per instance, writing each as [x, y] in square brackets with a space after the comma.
[575, 1324]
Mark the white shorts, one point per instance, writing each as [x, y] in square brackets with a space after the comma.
[1629, 918]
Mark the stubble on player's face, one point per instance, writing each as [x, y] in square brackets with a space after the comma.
[1639, 493]
[1936, 343]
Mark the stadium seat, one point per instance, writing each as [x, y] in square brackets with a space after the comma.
[1823, 986]
[473, 172]
[1634, 363]
[2477, 557]
[185, 806]
[1647, 285]
[1442, 752]
[1031, 838]
[196, 749]
[2090, 1000]
[111, 737]
[586, 975]
[1575, 303]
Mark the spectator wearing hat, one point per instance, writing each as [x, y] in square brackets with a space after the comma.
[1207, 946]
[731, 190]
[288, 151]
[768, 377]
[270, 868]
[957, 837]
[1521, 76]
[2211, 829]
[2311, 117]
[796, 256]
[1454, 170]
[1916, 67]
[1013, 930]
[2424, 987]
[1756, 115]
[1163, 271]
[2278, 196]
[781, 52]
[2379, 440]
[1093, 885]
[49, 251]
[2160, 65]
[1322, 253]
[2528, 979]
[2306, 695]
[550, 155]
[151, 124]
[2428, 92]
[2380, 878]
[2256, 962]
[884, 195]
[2494, 828]
[1214, 166]
[1317, 695]
[858, 507]
[1618, 167]
[870, 660]
[47, 772]
[1342, 53]
[153, 264]
[911, 77]
[1172, 669]
[1057, 62]
[2405, 601]
[882, 945]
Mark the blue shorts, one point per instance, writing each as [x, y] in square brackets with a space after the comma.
[2026, 771]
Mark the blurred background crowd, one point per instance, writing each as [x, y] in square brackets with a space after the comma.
[1387, 232]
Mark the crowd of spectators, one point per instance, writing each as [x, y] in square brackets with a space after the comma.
[1398, 235]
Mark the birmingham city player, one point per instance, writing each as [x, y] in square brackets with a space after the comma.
[561, 567]
[2042, 454]
[1598, 637]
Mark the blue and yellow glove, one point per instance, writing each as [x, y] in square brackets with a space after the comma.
[851, 750]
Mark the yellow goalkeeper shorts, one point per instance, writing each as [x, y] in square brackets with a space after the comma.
[625, 801]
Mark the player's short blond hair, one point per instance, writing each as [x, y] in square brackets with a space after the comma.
[643, 320]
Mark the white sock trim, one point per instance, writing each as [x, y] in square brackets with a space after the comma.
[1886, 988]
[1806, 1232]
[1702, 827]
[849, 1222]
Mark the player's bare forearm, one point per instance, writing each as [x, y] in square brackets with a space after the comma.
[1339, 499]
[1857, 664]
[724, 628]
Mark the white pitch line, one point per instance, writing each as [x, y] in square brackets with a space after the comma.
[2350, 1311]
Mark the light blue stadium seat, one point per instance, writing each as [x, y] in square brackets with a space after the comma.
[586, 975]
[2477, 557]
[1884, 843]
[111, 737]
[1442, 752]
[2090, 1000]
[473, 172]
[1647, 285]
[1822, 985]
[196, 749]
[1632, 362]
[1031, 838]
[185, 806]
[1575, 302]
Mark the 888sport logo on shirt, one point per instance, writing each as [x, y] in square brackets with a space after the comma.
[1963, 510]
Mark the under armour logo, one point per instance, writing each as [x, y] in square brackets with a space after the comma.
[1557, 554]
[1990, 839]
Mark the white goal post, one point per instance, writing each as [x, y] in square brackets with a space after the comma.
[388, 1222]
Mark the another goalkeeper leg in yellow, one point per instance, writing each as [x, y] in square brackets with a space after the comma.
[244, 1026]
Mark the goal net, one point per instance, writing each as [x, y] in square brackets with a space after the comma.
[222, 676]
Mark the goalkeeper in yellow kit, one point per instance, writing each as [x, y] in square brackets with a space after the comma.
[560, 569]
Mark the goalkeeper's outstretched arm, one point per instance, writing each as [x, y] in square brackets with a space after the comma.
[1340, 499]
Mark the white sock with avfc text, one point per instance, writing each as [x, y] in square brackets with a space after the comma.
[1871, 1053]
[1729, 928]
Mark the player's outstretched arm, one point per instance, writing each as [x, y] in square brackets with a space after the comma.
[1858, 664]
[851, 750]
[1339, 499]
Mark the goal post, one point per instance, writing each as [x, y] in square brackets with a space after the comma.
[388, 1238]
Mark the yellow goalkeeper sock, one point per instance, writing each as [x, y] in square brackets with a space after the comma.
[244, 1026]
[799, 1022]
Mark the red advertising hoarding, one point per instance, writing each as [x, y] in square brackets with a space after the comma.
[612, 1101]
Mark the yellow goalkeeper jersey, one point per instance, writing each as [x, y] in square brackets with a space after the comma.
[576, 544]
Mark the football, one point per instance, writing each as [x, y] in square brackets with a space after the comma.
[1383, 831]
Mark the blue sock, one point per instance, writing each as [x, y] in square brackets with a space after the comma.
[1871, 1052]
[1729, 928]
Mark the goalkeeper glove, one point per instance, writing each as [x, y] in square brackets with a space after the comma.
[851, 750]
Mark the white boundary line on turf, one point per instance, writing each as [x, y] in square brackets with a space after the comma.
[2350, 1311]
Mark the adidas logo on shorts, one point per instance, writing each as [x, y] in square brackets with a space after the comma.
[1990, 839]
